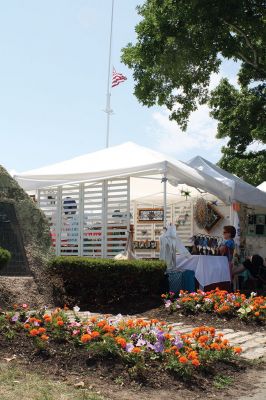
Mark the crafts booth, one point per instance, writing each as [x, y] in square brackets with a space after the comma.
[93, 201]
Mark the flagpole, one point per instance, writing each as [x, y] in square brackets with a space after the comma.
[108, 109]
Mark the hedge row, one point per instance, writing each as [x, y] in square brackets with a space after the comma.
[106, 281]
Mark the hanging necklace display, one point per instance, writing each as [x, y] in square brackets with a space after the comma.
[206, 244]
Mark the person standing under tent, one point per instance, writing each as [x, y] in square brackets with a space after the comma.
[227, 246]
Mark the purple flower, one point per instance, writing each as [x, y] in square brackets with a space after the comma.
[149, 346]
[129, 347]
[168, 303]
[15, 318]
[160, 336]
[158, 347]
[140, 343]
[178, 343]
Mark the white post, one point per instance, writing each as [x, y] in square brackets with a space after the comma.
[104, 219]
[81, 219]
[58, 228]
[108, 109]
[164, 180]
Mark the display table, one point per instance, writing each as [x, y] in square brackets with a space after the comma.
[208, 269]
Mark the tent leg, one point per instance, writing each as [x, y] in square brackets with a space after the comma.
[164, 180]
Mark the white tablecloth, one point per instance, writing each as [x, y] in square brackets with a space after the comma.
[208, 269]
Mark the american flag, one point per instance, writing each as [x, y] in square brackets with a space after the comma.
[117, 78]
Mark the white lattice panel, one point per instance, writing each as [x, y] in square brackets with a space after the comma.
[88, 219]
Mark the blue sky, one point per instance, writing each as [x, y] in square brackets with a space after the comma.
[53, 75]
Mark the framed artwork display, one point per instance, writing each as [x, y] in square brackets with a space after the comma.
[145, 244]
[213, 217]
[150, 215]
[260, 219]
[256, 225]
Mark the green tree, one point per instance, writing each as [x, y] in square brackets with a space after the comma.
[241, 116]
[180, 43]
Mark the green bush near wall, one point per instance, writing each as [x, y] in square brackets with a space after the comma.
[107, 281]
[5, 257]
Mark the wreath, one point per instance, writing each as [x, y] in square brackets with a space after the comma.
[201, 213]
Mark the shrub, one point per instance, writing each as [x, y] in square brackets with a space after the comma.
[5, 257]
[106, 281]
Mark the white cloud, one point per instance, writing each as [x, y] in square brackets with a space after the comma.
[199, 138]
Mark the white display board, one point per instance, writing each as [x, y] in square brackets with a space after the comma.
[88, 219]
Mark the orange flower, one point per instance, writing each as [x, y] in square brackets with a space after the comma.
[237, 350]
[101, 324]
[48, 319]
[215, 346]
[136, 350]
[85, 338]
[257, 314]
[196, 362]
[27, 326]
[46, 316]
[41, 330]
[108, 328]
[60, 323]
[44, 337]
[183, 360]
[192, 355]
[167, 336]
[154, 321]
[34, 332]
[95, 334]
[121, 341]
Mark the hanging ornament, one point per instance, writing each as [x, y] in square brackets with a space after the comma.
[185, 193]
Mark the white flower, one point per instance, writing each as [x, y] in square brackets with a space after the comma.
[253, 294]
[76, 309]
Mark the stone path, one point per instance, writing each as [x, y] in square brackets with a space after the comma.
[253, 344]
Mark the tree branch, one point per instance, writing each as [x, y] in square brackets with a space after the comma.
[238, 30]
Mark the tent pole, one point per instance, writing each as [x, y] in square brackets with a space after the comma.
[164, 180]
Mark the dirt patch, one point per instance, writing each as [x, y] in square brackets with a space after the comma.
[115, 380]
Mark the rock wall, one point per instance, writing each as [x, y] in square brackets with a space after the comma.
[37, 242]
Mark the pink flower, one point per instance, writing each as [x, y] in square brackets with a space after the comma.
[75, 332]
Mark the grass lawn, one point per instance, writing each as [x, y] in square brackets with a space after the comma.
[16, 383]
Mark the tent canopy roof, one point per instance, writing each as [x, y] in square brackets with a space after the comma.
[132, 160]
[262, 186]
[242, 191]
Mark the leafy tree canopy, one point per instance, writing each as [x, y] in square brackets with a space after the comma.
[180, 43]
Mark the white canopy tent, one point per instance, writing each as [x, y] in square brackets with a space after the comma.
[262, 186]
[241, 191]
[101, 185]
[126, 160]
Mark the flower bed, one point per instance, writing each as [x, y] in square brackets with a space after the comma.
[137, 343]
[219, 302]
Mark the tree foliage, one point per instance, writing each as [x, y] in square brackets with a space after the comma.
[181, 43]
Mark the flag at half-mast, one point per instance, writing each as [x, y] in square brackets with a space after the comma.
[117, 78]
